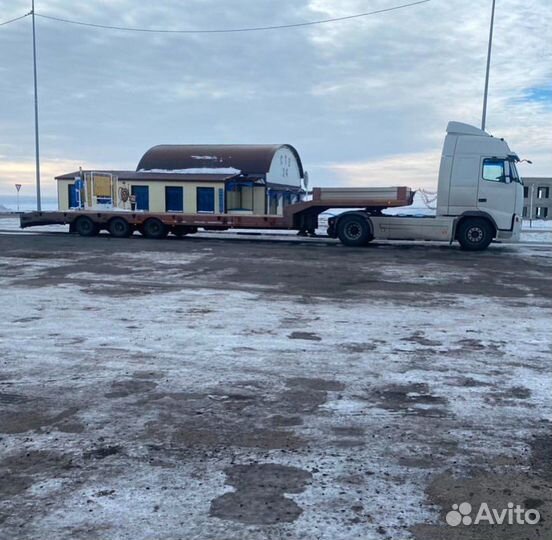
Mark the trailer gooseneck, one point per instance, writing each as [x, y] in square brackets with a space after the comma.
[480, 198]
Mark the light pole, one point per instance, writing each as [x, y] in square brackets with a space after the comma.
[484, 117]
[37, 148]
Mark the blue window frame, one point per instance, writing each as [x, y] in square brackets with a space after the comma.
[142, 197]
[205, 200]
[174, 199]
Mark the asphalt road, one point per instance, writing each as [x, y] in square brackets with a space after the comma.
[224, 387]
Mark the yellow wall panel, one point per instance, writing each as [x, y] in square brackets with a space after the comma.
[157, 193]
[259, 200]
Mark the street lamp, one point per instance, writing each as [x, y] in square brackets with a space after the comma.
[485, 94]
[37, 150]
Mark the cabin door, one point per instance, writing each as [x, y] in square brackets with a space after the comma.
[73, 196]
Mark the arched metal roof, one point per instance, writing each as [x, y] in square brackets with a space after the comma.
[249, 159]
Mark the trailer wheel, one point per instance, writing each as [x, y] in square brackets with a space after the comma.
[120, 228]
[182, 230]
[155, 228]
[354, 231]
[86, 227]
[475, 234]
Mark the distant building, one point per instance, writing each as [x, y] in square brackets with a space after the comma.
[227, 179]
[537, 198]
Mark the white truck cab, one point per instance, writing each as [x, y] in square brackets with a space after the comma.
[480, 198]
[478, 178]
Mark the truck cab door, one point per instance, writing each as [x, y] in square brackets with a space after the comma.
[497, 191]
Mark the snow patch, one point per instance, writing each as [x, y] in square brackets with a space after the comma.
[195, 170]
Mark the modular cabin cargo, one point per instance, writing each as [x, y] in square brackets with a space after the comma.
[192, 179]
[480, 198]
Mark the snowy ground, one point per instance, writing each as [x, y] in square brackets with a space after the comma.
[255, 389]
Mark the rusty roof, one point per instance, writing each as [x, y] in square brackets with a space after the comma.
[248, 158]
[154, 176]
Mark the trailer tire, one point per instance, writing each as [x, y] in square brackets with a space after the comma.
[475, 234]
[182, 230]
[119, 228]
[84, 226]
[155, 228]
[354, 231]
[215, 228]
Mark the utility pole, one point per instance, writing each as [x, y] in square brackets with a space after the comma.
[484, 117]
[37, 148]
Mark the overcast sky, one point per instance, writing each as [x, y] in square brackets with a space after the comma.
[364, 101]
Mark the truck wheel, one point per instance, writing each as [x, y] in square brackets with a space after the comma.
[475, 234]
[120, 228]
[354, 231]
[86, 227]
[182, 230]
[154, 228]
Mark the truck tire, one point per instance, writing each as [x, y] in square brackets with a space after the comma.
[120, 228]
[475, 234]
[155, 228]
[354, 231]
[182, 230]
[85, 227]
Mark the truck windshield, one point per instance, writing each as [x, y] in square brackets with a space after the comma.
[514, 173]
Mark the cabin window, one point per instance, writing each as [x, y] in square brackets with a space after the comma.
[273, 201]
[239, 197]
[493, 170]
[174, 199]
[141, 197]
[221, 200]
[205, 200]
[289, 198]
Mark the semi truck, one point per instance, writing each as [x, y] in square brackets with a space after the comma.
[479, 199]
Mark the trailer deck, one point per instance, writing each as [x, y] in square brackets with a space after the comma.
[299, 216]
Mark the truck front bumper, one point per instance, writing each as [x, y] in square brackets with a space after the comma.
[514, 234]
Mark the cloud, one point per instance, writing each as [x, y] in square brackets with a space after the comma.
[23, 172]
[414, 170]
[373, 93]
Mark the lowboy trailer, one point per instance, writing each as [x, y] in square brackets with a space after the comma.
[480, 198]
[301, 216]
